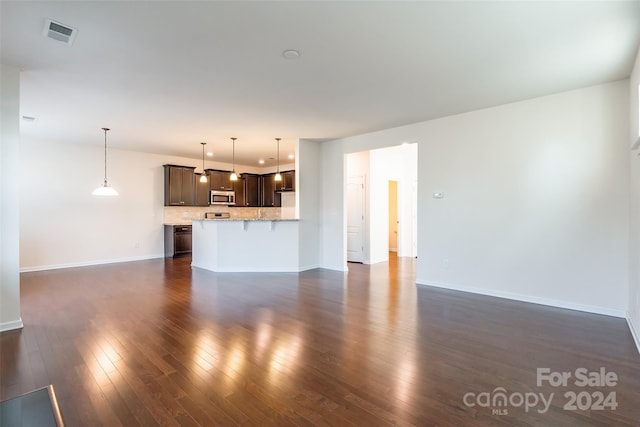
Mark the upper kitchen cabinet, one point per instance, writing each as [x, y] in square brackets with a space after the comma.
[268, 194]
[179, 185]
[220, 180]
[288, 182]
[238, 188]
[247, 190]
[251, 190]
[203, 190]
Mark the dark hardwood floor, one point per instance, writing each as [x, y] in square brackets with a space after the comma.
[155, 343]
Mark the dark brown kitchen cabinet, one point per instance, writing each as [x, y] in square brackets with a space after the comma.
[268, 194]
[179, 185]
[203, 190]
[238, 188]
[252, 190]
[220, 180]
[288, 182]
[247, 190]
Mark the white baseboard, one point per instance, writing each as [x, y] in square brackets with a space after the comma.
[256, 269]
[528, 298]
[9, 326]
[88, 263]
[634, 332]
[308, 267]
[375, 261]
[343, 268]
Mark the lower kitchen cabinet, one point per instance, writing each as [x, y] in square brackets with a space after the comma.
[177, 240]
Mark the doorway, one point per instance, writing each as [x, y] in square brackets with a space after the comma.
[381, 204]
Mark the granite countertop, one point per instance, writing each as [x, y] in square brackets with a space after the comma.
[245, 219]
[189, 222]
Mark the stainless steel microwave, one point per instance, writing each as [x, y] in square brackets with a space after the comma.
[223, 198]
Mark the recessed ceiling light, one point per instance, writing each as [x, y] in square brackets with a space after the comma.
[209, 154]
[291, 54]
[261, 161]
[291, 156]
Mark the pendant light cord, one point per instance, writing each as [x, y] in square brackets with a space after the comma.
[105, 155]
[105, 189]
[234, 154]
[278, 156]
[203, 144]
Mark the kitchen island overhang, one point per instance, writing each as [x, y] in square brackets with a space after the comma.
[247, 245]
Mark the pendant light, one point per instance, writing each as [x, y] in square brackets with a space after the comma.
[203, 177]
[234, 176]
[105, 189]
[278, 177]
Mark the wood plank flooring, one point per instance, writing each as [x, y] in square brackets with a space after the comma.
[154, 343]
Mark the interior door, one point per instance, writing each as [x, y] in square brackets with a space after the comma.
[355, 219]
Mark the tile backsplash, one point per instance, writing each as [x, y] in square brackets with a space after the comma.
[184, 214]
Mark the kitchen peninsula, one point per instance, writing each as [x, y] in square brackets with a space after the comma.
[246, 245]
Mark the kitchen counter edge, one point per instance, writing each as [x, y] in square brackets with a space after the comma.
[177, 224]
[245, 219]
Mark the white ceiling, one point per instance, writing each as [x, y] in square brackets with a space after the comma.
[167, 75]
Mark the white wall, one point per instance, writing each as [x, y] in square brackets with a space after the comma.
[9, 198]
[408, 202]
[634, 194]
[307, 190]
[536, 199]
[333, 248]
[62, 224]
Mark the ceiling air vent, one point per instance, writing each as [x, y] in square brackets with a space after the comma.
[61, 32]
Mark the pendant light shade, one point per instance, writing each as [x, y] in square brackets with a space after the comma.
[234, 176]
[203, 177]
[278, 177]
[105, 189]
